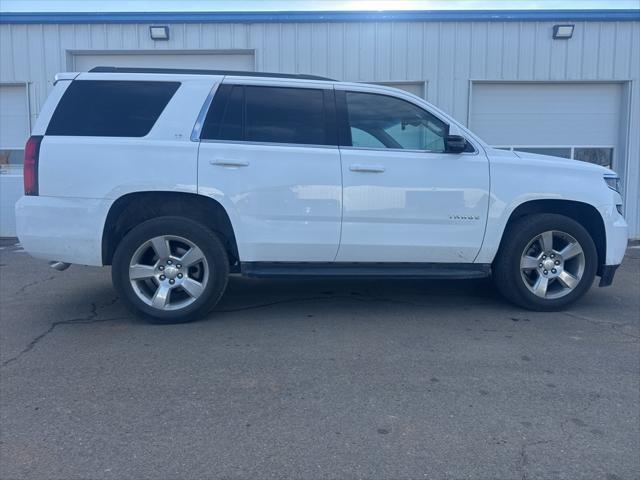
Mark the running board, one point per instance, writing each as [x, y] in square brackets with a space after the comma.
[380, 270]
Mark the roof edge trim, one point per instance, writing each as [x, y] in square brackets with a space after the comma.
[317, 16]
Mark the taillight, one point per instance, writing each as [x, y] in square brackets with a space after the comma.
[31, 154]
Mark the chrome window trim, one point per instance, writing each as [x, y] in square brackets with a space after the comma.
[309, 145]
[268, 144]
[197, 128]
[403, 150]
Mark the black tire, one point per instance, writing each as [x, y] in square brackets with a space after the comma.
[506, 267]
[210, 245]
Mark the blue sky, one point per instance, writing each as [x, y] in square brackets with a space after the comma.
[293, 5]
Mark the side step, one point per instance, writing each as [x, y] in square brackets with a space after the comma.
[375, 270]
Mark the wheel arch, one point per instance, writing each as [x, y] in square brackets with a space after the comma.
[583, 213]
[133, 208]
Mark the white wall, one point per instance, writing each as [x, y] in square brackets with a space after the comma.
[11, 188]
[447, 55]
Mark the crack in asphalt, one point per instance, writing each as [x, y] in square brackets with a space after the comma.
[91, 317]
[591, 398]
[614, 326]
[33, 284]
[524, 457]
[358, 298]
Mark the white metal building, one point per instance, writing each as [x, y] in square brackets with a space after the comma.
[500, 72]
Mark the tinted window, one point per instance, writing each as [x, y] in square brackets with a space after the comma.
[269, 115]
[224, 119]
[110, 108]
[393, 122]
[285, 115]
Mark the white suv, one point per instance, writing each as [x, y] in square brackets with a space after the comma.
[178, 178]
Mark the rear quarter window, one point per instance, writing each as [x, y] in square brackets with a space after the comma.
[110, 108]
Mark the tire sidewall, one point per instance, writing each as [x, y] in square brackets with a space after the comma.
[206, 240]
[522, 233]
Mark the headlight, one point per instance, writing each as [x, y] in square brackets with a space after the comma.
[613, 183]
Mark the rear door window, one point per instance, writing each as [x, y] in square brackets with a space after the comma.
[271, 115]
[110, 108]
[224, 120]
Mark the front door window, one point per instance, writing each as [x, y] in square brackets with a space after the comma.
[381, 121]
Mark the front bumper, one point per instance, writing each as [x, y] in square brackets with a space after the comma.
[617, 233]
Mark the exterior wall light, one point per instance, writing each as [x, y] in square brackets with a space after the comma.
[562, 32]
[159, 32]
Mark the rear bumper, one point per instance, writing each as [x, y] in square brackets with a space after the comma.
[62, 229]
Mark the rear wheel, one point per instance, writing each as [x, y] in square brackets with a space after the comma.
[170, 270]
[546, 262]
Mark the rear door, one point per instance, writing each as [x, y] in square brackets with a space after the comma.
[269, 155]
[405, 198]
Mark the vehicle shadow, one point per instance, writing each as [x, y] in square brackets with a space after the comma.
[246, 293]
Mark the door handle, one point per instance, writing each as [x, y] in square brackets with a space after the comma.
[220, 162]
[366, 168]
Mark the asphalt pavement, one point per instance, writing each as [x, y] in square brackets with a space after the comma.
[316, 379]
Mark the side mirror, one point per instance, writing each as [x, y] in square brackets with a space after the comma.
[455, 144]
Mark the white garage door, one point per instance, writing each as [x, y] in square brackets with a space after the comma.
[572, 120]
[243, 61]
[14, 123]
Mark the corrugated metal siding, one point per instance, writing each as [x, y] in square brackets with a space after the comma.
[447, 55]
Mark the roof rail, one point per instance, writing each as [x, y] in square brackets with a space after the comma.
[188, 71]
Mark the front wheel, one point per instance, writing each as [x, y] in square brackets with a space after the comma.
[170, 270]
[546, 262]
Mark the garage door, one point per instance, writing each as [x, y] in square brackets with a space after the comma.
[14, 123]
[572, 120]
[243, 61]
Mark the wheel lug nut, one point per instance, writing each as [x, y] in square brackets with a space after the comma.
[544, 257]
[179, 266]
[172, 281]
[162, 277]
[540, 265]
[557, 262]
[552, 255]
[179, 275]
[169, 262]
[161, 267]
[553, 270]
[545, 272]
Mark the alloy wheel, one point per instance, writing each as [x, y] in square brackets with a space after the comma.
[168, 272]
[552, 264]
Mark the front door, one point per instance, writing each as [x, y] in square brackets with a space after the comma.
[404, 198]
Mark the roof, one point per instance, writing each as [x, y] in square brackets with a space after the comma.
[187, 71]
[318, 16]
